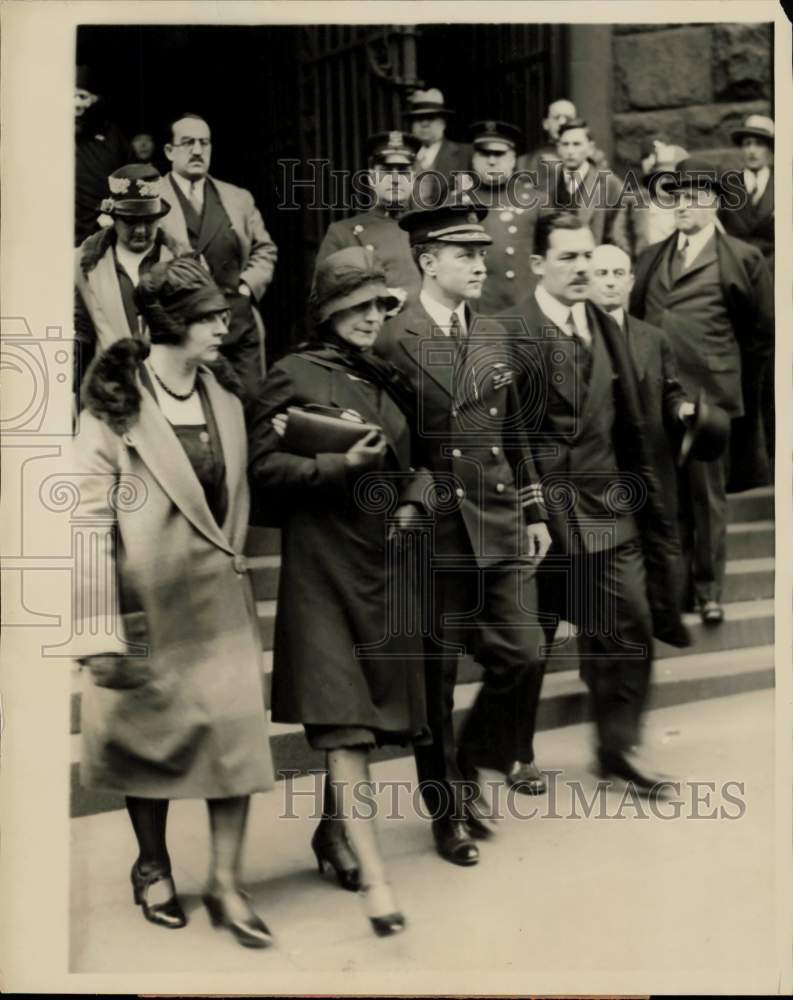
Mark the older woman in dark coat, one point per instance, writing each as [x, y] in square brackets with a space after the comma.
[344, 662]
[181, 713]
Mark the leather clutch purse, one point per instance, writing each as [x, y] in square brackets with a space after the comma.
[314, 430]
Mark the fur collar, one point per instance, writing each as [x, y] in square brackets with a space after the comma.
[97, 245]
[111, 389]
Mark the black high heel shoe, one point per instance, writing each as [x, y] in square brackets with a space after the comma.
[381, 908]
[252, 932]
[168, 914]
[335, 853]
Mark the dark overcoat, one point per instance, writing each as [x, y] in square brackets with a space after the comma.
[338, 658]
[193, 723]
[749, 297]
[544, 367]
[754, 223]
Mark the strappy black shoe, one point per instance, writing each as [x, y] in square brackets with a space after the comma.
[168, 914]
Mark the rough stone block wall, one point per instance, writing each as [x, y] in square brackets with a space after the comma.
[696, 82]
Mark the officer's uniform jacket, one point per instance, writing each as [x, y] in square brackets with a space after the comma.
[377, 230]
[510, 223]
[485, 481]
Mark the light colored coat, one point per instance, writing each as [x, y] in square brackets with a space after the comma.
[193, 724]
[259, 252]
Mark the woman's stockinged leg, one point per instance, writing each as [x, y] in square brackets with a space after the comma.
[149, 818]
[348, 769]
[227, 822]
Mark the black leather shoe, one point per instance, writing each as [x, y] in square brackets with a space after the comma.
[333, 853]
[711, 613]
[166, 914]
[627, 766]
[527, 778]
[453, 842]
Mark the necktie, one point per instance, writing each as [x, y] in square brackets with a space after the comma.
[752, 183]
[572, 328]
[678, 263]
[195, 200]
[455, 330]
[422, 156]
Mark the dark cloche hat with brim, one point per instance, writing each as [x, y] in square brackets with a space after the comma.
[457, 220]
[495, 136]
[706, 436]
[695, 173]
[348, 278]
[133, 192]
[393, 148]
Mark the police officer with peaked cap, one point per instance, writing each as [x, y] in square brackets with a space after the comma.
[514, 206]
[392, 157]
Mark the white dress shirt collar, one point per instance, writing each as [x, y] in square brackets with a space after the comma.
[695, 242]
[559, 313]
[618, 315]
[440, 315]
[756, 183]
[577, 176]
[428, 154]
[192, 190]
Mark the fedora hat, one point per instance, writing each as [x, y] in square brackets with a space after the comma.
[758, 126]
[133, 192]
[706, 436]
[427, 102]
[695, 172]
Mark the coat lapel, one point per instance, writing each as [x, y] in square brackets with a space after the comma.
[231, 204]
[103, 282]
[436, 359]
[159, 449]
[174, 221]
[212, 217]
[638, 346]
[231, 429]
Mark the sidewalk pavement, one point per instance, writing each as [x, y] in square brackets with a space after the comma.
[556, 904]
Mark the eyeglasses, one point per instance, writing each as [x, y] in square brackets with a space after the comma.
[189, 143]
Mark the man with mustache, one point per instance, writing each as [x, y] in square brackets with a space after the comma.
[221, 223]
[613, 565]
[488, 530]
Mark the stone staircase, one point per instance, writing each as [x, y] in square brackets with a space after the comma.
[734, 657]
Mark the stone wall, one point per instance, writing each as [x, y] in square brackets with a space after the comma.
[696, 82]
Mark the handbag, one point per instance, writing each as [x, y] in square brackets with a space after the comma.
[126, 670]
[313, 430]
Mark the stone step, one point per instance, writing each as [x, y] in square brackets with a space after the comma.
[750, 540]
[565, 702]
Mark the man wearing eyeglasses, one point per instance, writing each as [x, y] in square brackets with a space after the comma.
[221, 223]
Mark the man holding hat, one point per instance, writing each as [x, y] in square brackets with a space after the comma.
[753, 220]
[614, 565]
[108, 264]
[514, 206]
[392, 157]
[221, 222]
[489, 524]
[712, 295]
[428, 116]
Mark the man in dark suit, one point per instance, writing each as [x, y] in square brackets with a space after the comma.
[613, 566]
[712, 295]
[514, 205]
[489, 524]
[221, 223]
[753, 220]
[666, 407]
[594, 193]
[392, 157]
[439, 158]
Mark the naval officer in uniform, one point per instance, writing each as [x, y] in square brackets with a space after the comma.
[392, 157]
[514, 206]
[489, 530]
